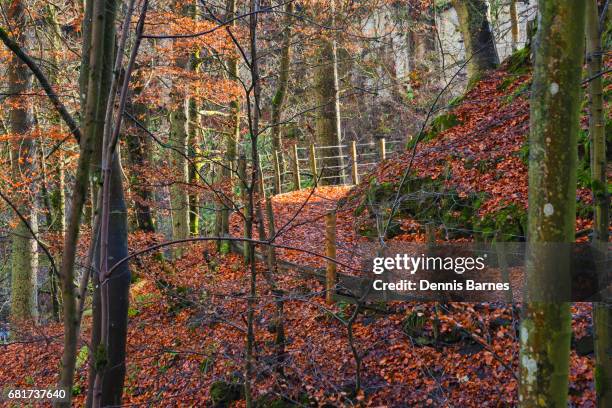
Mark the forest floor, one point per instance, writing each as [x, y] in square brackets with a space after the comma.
[187, 336]
[186, 340]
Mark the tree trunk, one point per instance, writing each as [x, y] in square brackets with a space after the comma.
[139, 153]
[602, 312]
[280, 96]
[478, 39]
[24, 252]
[179, 139]
[179, 198]
[112, 359]
[111, 295]
[555, 103]
[92, 65]
[328, 129]
[195, 167]
[224, 209]
[514, 25]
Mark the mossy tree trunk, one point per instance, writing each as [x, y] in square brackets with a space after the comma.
[24, 251]
[555, 102]
[280, 96]
[233, 137]
[194, 138]
[179, 197]
[602, 311]
[478, 38]
[195, 167]
[139, 151]
[328, 123]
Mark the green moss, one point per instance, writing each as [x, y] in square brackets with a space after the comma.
[505, 84]
[438, 125]
[205, 365]
[224, 247]
[601, 382]
[414, 323]
[223, 393]
[507, 224]
[518, 92]
[456, 101]
[519, 62]
[523, 152]
[100, 357]
[77, 389]
[82, 356]
[273, 401]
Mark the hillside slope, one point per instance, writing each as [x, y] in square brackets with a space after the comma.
[468, 174]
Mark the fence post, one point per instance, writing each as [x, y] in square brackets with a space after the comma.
[313, 163]
[277, 174]
[330, 252]
[297, 181]
[382, 148]
[355, 167]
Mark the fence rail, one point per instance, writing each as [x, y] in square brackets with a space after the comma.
[307, 165]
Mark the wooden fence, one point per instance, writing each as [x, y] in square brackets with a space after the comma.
[304, 165]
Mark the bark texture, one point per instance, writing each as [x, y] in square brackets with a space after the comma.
[555, 102]
[233, 137]
[24, 251]
[90, 80]
[179, 198]
[280, 96]
[478, 38]
[328, 123]
[139, 153]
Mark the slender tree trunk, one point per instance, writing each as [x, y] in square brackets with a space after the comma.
[514, 25]
[194, 169]
[99, 355]
[602, 311]
[254, 105]
[57, 195]
[555, 103]
[280, 96]
[329, 130]
[139, 153]
[179, 138]
[111, 301]
[54, 211]
[179, 198]
[24, 252]
[223, 210]
[90, 80]
[478, 38]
